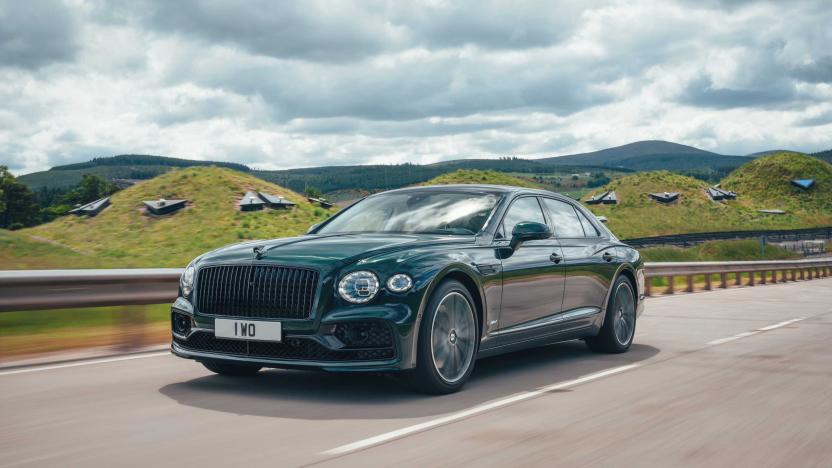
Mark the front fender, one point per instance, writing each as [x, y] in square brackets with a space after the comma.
[450, 270]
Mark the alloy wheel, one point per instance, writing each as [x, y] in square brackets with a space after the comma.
[624, 314]
[453, 334]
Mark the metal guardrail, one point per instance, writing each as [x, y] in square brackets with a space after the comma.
[758, 272]
[684, 240]
[65, 289]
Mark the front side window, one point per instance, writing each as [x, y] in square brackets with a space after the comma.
[523, 209]
[564, 218]
[417, 212]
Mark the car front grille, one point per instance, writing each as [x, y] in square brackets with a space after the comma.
[300, 349]
[256, 291]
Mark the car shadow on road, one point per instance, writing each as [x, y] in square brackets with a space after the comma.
[325, 396]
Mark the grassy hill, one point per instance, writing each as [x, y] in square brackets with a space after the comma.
[124, 237]
[474, 176]
[765, 183]
[762, 183]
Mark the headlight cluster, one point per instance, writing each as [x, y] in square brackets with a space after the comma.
[360, 287]
[186, 281]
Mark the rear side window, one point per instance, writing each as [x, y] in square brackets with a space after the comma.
[589, 229]
[566, 221]
[523, 209]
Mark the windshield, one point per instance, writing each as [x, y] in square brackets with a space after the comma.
[418, 212]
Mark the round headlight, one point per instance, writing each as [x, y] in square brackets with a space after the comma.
[186, 282]
[358, 287]
[399, 283]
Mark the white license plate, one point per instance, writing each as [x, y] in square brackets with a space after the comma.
[247, 330]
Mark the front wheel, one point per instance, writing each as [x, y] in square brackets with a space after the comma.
[231, 369]
[448, 340]
[616, 335]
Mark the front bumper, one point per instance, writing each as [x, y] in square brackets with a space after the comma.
[357, 342]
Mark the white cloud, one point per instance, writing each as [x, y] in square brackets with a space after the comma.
[305, 83]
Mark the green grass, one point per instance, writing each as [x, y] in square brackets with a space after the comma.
[475, 176]
[765, 183]
[636, 215]
[728, 250]
[19, 251]
[123, 236]
[47, 321]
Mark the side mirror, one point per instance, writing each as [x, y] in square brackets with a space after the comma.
[528, 230]
[312, 227]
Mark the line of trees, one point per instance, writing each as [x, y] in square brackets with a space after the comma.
[20, 207]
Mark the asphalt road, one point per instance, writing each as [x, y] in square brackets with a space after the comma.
[741, 377]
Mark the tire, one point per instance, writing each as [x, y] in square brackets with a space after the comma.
[449, 340]
[619, 327]
[230, 369]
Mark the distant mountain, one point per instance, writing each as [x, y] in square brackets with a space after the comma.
[651, 155]
[123, 166]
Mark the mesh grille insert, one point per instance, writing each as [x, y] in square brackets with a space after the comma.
[256, 291]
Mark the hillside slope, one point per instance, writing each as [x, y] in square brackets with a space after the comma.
[122, 236]
[473, 176]
[766, 183]
[636, 215]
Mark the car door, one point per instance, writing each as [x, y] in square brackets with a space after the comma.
[589, 261]
[532, 280]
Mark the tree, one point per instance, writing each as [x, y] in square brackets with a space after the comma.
[18, 207]
[91, 188]
[312, 192]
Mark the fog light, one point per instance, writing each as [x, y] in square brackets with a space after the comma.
[181, 323]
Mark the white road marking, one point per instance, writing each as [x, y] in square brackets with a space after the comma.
[90, 362]
[781, 324]
[406, 431]
[754, 332]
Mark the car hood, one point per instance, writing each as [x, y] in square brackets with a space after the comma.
[322, 250]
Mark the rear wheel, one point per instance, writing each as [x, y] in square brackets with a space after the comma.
[616, 335]
[448, 340]
[231, 369]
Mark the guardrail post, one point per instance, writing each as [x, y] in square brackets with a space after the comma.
[784, 276]
[750, 278]
[793, 274]
[648, 286]
[708, 282]
[670, 280]
[737, 278]
[723, 280]
[802, 274]
[810, 273]
[689, 288]
[773, 276]
[763, 277]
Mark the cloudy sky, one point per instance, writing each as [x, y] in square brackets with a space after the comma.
[293, 84]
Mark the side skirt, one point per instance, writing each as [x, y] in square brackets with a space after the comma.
[571, 325]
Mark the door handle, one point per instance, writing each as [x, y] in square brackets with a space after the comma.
[607, 256]
[555, 257]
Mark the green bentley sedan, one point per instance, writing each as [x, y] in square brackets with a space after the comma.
[420, 281]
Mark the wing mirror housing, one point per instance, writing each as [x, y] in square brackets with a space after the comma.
[528, 230]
